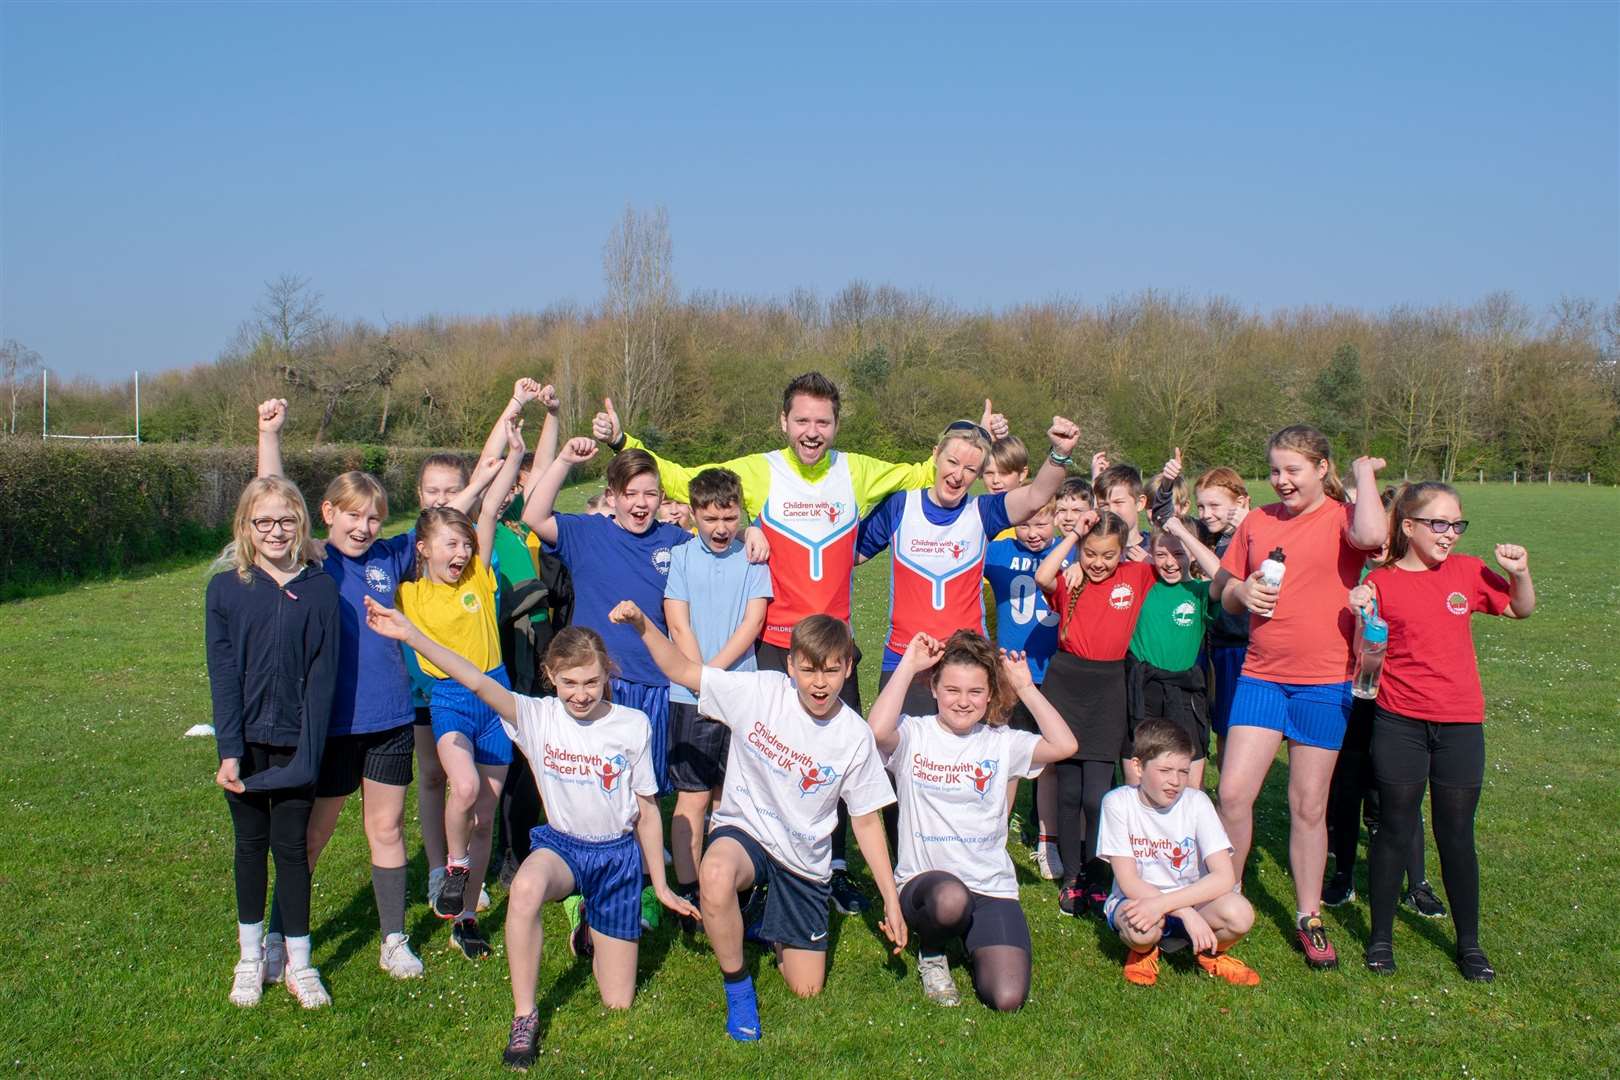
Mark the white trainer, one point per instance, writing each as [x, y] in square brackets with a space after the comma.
[1047, 861]
[275, 958]
[483, 899]
[305, 985]
[938, 986]
[247, 984]
[397, 958]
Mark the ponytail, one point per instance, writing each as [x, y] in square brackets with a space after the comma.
[1314, 447]
[1405, 503]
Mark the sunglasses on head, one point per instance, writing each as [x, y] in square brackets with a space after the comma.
[968, 425]
[1440, 526]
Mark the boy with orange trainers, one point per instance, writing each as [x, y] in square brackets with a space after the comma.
[1173, 872]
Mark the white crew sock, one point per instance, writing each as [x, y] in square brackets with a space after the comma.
[250, 936]
[298, 952]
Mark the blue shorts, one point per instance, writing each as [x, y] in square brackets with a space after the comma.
[457, 709]
[654, 701]
[607, 874]
[795, 907]
[1227, 663]
[1310, 714]
[1173, 937]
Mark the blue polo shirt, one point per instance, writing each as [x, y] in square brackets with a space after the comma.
[373, 691]
[718, 587]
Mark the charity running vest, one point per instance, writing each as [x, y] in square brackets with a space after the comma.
[811, 529]
[938, 571]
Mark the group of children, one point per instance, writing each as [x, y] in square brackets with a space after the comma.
[720, 668]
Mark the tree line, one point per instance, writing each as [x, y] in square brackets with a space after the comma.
[1439, 391]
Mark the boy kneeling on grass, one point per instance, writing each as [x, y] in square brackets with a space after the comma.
[1172, 862]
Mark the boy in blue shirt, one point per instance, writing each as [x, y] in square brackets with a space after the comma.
[714, 604]
[1024, 623]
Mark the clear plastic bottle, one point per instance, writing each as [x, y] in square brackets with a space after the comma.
[1271, 572]
[1372, 642]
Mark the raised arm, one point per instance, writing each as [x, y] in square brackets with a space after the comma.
[1207, 560]
[1057, 739]
[677, 668]
[539, 511]
[1022, 502]
[677, 478]
[489, 513]
[1046, 574]
[1515, 560]
[523, 391]
[922, 653]
[393, 624]
[545, 447]
[272, 415]
[1369, 528]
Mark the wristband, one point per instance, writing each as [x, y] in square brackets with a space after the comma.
[518, 403]
[617, 445]
[1060, 459]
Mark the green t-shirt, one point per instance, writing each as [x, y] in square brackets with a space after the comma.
[514, 564]
[1170, 630]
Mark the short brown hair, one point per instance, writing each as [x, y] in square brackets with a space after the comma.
[356, 490]
[1157, 737]
[715, 487]
[627, 466]
[1115, 475]
[1075, 487]
[811, 384]
[823, 640]
[1010, 454]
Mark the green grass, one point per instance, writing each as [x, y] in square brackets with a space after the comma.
[116, 951]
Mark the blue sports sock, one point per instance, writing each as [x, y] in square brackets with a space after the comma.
[742, 1011]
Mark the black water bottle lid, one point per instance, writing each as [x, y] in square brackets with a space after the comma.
[1277, 555]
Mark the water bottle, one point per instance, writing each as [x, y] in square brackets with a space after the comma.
[1372, 642]
[1271, 572]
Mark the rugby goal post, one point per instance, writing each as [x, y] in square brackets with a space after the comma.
[45, 414]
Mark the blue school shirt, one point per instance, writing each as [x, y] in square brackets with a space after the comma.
[717, 587]
[1024, 622]
[610, 564]
[373, 691]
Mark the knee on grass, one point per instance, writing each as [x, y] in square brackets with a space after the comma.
[1002, 998]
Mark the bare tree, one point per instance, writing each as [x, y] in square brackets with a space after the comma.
[641, 295]
[364, 361]
[290, 314]
[18, 363]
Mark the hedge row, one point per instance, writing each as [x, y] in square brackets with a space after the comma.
[78, 510]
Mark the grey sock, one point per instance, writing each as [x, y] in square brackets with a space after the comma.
[388, 885]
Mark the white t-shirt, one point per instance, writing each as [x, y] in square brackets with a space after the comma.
[786, 770]
[589, 772]
[1169, 845]
[953, 801]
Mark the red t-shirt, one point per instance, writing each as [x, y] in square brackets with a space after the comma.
[1307, 639]
[1430, 672]
[1105, 614]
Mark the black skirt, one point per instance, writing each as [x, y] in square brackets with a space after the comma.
[1090, 696]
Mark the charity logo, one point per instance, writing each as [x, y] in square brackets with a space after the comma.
[1121, 597]
[807, 509]
[611, 771]
[661, 560]
[984, 772]
[378, 579]
[469, 602]
[923, 547]
[1184, 614]
[1180, 854]
[1457, 604]
[815, 777]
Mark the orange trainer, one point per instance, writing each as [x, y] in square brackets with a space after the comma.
[1223, 965]
[1142, 968]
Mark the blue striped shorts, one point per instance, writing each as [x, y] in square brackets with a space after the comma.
[1314, 714]
[457, 709]
[607, 873]
[654, 701]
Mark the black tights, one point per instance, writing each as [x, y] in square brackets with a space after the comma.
[1081, 787]
[276, 822]
[1352, 802]
[1451, 757]
[939, 909]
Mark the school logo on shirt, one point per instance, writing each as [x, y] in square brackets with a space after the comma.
[660, 560]
[1122, 596]
[469, 602]
[815, 778]
[1184, 614]
[611, 771]
[1457, 604]
[379, 580]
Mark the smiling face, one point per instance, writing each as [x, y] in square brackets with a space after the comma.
[1422, 541]
[956, 466]
[1297, 480]
[581, 689]
[636, 507]
[1215, 506]
[1169, 558]
[810, 426]
[1099, 557]
[962, 692]
[351, 529]
[445, 553]
[997, 480]
[1069, 509]
[1122, 502]
[438, 485]
[1036, 533]
[818, 684]
[717, 526]
[274, 533]
[1164, 778]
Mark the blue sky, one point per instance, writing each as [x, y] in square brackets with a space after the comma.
[159, 163]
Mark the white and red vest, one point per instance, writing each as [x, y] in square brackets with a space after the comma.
[811, 529]
[938, 574]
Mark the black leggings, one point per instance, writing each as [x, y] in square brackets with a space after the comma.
[1081, 787]
[1451, 759]
[940, 909]
[276, 822]
[1352, 802]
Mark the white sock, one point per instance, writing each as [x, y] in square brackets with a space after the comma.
[464, 861]
[298, 952]
[250, 936]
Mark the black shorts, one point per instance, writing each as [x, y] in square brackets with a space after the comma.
[993, 920]
[919, 695]
[795, 907]
[697, 748]
[383, 757]
[423, 716]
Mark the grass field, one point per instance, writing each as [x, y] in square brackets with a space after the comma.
[116, 954]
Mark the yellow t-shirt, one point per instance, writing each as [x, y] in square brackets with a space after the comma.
[460, 617]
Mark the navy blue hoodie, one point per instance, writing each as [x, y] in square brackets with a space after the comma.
[272, 668]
